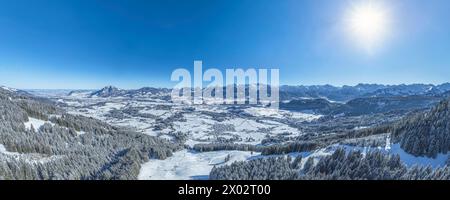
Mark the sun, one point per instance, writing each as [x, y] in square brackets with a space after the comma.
[368, 24]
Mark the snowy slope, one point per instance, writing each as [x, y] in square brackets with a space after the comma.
[35, 122]
[186, 165]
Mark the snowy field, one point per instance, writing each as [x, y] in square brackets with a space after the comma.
[36, 123]
[187, 165]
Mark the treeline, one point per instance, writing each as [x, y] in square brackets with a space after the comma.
[226, 146]
[272, 168]
[310, 143]
[265, 150]
[82, 123]
[353, 165]
[373, 141]
[301, 143]
[290, 147]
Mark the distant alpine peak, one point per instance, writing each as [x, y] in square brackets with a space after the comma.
[110, 88]
[111, 91]
[108, 91]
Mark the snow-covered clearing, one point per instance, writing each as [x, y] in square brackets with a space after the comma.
[187, 165]
[37, 123]
[275, 113]
[304, 116]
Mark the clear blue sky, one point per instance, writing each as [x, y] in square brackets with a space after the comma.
[90, 43]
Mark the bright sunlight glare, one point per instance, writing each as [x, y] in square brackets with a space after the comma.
[368, 24]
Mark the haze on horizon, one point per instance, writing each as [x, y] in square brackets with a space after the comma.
[88, 44]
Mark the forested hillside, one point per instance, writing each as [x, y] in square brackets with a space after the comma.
[341, 165]
[68, 146]
[425, 134]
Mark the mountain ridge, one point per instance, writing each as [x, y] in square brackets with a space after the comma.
[329, 92]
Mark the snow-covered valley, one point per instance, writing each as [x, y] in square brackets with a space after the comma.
[225, 136]
[185, 165]
[201, 124]
[219, 135]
